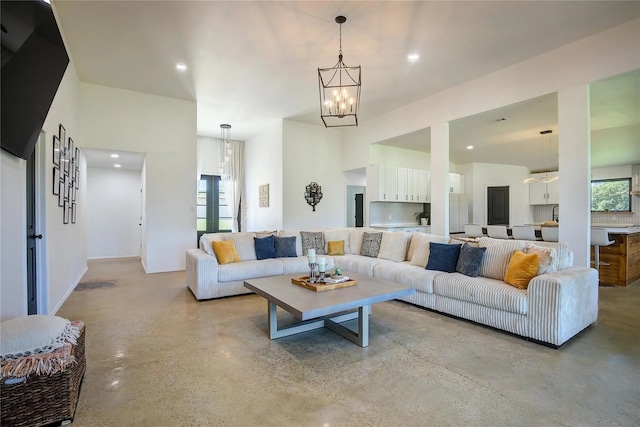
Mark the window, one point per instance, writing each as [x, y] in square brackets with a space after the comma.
[213, 212]
[611, 195]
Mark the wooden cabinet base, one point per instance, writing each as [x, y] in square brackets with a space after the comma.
[623, 259]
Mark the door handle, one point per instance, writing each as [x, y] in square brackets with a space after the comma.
[36, 236]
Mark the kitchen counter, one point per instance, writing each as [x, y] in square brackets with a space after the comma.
[622, 257]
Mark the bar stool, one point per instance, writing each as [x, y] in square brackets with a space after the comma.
[599, 237]
[498, 231]
[472, 230]
[523, 232]
[549, 234]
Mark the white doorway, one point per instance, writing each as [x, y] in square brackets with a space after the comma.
[355, 205]
[115, 204]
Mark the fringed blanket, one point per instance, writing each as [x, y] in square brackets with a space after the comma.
[49, 363]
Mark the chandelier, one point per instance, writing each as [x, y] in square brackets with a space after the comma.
[339, 91]
[546, 179]
[226, 151]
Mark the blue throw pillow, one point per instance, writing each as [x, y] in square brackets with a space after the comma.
[443, 257]
[469, 260]
[285, 247]
[265, 247]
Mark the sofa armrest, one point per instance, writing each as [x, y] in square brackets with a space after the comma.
[563, 303]
[201, 273]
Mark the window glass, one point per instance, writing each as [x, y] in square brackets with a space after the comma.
[611, 195]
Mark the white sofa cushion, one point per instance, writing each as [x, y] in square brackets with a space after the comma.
[407, 274]
[250, 270]
[296, 233]
[483, 291]
[355, 238]
[358, 264]
[335, 235]
[419, 247]
[565, 256]
[245, 245]
[496, 259]
[547, 258]
[393, 246]
[206, 239]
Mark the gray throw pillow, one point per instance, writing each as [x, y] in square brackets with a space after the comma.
[470, 259]
[370, 244]
[285, 247]
[311, 240]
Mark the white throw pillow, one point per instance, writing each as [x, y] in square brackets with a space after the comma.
[335, 236]
[420, 243]
[24, 336]
[547, 258]
[393, 246]
[245, 245]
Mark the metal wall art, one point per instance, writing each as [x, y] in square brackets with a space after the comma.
[66, 174]
[313, 194]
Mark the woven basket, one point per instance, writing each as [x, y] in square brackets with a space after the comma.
[42, 399]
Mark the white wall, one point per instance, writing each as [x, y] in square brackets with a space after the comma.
[312, 154]
[485, 175]
[13, 246]
[113, 212]
[263, 160]
[165, 130]
[612, 172]
[64, 268]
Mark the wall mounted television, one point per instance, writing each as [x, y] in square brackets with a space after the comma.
[34, 60]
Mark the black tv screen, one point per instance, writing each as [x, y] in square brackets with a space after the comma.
[33, 62]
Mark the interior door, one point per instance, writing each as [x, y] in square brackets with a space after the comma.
[32, 293]
[359, 210]
[498, 206]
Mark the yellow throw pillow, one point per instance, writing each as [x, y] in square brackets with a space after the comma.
[522, 268]
[336, 247]
[225, 251]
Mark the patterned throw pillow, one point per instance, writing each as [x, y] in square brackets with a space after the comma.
[265, 247]
[547, 258]
[285, 247]
[312, 239]
[443, 257]
[370, 244]
[470, 260]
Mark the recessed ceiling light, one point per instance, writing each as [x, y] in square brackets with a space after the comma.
[117, 166]
[413, 57]
[469, 147]
[114, 156]
[181, 67]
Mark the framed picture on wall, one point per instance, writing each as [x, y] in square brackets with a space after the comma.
[56, 151]
[61, 192]
[73, 213]
[66, 212]
[56, 181]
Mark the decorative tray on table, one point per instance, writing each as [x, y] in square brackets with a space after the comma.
[327, 285]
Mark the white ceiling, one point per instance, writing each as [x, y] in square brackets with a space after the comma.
[128, 160]
[252, 63]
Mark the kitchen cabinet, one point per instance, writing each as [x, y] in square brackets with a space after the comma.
[458, 212]
[402, 184]
[456, 183]
[376, 183]
[393, 184]
[541, 193]
[421, 186]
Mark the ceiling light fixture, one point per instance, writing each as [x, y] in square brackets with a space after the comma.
[339, 91]
[413, 57]
[114, 156]
[546, 179]
[117, 166]
[469, 147]
[181, 67]
[226, 151]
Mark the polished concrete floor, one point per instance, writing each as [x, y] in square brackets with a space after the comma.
[158, 357]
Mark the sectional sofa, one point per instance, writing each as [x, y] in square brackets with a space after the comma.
[559, 302]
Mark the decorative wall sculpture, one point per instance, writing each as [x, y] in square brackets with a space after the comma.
[66, 171]
[313, 194]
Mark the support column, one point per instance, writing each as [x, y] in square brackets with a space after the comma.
[440, 179]
[574, 147]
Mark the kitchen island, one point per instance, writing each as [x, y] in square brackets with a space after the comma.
[623, 256]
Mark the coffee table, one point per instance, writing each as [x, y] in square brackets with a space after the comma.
[325, 309]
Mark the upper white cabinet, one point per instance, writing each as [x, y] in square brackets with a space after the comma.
[541, 193]
[392, 184]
